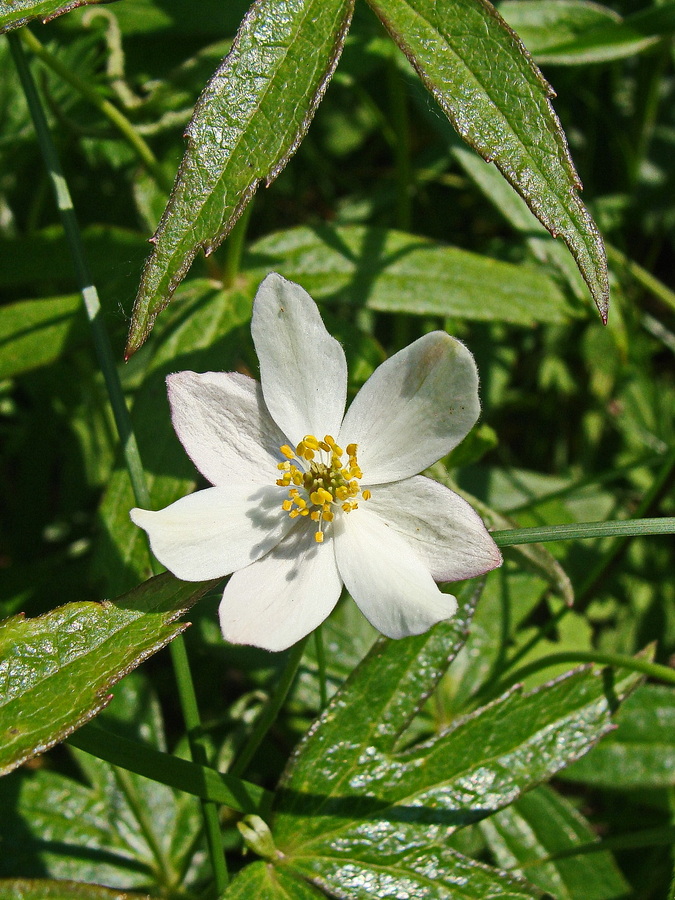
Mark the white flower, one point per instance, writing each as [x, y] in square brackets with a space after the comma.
[306, 498]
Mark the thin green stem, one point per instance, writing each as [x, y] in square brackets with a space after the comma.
[644, 278]
[181, 774]
[271, 710]
[400, 119]
[234, 246]
[163, 869]
[321, 666]
[618, 660]
[118, 119]
[648, 837]
[121, 415]
[584, 530]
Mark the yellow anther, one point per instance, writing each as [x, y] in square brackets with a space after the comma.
[351, 449]
[329, 439]
[304, 512]
[300, 502]
[296, 478]
[347, 507]
[281, 482]
[310, 441]
[355, 472]
[293, 493]
[284, 466]
[315, 497]
[327, 516]
[294, 513]
[341, 493]
[308, 454]
[366, 495]
[315, 515]
[326, 496]
[287, 505]
[287, 451]
[324, 446]
[318, 537]
[335, 450]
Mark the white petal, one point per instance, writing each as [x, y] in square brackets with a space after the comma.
[445, 531]
[213, 532]
[222, 421]
[414, 409]
[390, 584]
[302, 368]
[276, 601]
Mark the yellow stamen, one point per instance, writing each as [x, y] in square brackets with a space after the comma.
[366, 494]
[287, 451]
[318, 537]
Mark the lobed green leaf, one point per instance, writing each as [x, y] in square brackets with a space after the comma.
[56, 670]
[247, 124]
[484, 80]
[394, 272]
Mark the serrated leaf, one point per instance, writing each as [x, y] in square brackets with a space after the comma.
[247, 124]
[542, 823]
[354, 815]
[15, 13]
[56, 670]
[641, 752]
[46, 889]
[391, 271]
[34, 333]
[482, 77]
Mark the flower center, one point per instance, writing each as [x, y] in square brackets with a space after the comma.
[320, 481]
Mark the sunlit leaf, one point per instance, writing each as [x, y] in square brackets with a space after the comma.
[46, 889]
[391, 271]
[247, 124]
[15, 13]
[56, 670]
[487, 85]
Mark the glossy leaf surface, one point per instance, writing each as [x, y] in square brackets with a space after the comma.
[15, 13]
[247, 124]
[56, 670]
[391, 271]
[494, 95]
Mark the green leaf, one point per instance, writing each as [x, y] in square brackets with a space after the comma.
[391, 271]
[247, 124]
[15, 13]
[542, 823]
[45, 889]
[570, 32]
[56, 670]
[34, 333]
[137, 833]
[264, 882]
[641, 752]
[494, 95]
[354, 814]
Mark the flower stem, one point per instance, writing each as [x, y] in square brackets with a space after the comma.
[321, 666]
[583, 530]
[118, 119]
[271, 710]
[618, 660]
[234, 246]
[106, 362]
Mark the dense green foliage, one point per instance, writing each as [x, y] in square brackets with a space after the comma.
[323, 148]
